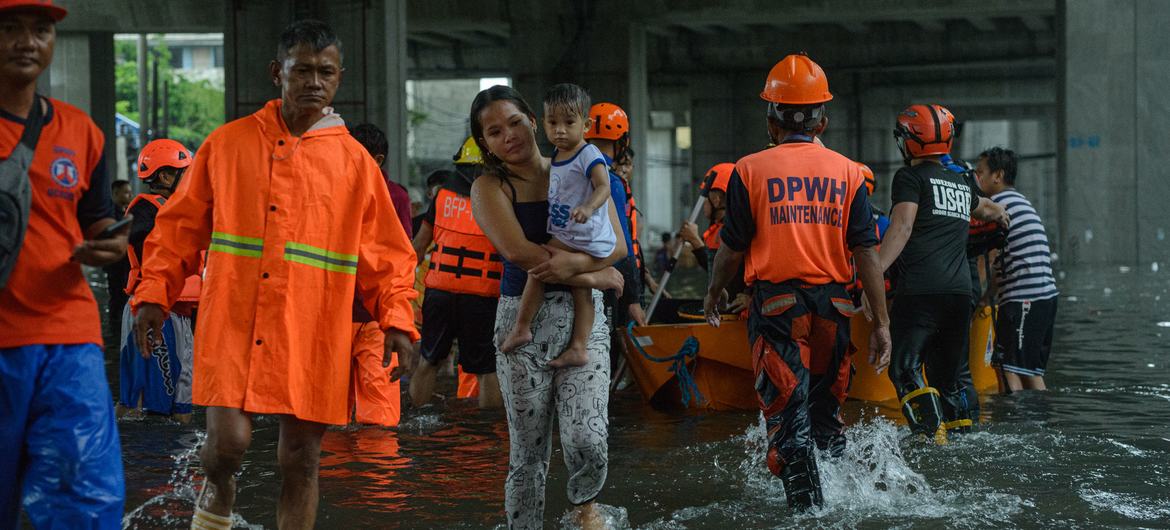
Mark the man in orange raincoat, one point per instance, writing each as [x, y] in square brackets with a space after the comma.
[294, 214]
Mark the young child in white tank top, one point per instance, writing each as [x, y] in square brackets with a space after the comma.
[578, 220]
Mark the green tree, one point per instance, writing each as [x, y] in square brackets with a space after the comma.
[194, 107]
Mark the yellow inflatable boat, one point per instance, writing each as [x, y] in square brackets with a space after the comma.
[720, 365]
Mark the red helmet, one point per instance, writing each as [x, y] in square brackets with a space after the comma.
[159, 154]
[717, 177]
[924, 130]
[870, 181]
[610, 122]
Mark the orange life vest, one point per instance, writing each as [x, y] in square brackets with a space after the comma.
[194, 283]
[711, 235]
[464, 261]
[800, 195]
[632, 212]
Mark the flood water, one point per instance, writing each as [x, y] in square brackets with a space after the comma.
[1092, 452]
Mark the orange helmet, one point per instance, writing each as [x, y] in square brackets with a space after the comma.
[717, 177]
[796, 80]
[867, 173]
[610, 122]
[159, 154]
[924, 130]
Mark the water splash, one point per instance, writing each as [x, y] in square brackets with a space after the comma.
[613, 517]
[421, 423]
[174, 506]
[873, 482]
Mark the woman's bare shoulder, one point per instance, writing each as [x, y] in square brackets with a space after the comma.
[490, 188]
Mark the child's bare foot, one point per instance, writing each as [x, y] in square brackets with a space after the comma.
[519, 336]
[612, 279]
[574, 355]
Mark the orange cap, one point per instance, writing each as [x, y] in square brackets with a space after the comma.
[796, 80]
[925, 130]
[162, 153]
[867, 173]
[717, 177]
[41, 6]
[610, 122]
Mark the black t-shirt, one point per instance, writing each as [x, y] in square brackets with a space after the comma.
[144, 213]
[935, 258]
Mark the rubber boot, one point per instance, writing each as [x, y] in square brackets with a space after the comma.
[802, 482]
[923, 412]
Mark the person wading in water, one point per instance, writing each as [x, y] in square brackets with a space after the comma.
[510, 202]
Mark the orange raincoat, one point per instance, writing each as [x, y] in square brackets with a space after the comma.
[290, 224]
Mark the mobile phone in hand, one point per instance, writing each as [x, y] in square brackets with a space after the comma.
[112, 230]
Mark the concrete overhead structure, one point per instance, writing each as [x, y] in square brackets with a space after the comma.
[1069, 80]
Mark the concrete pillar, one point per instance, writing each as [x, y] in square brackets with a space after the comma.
[82, 74]
[637, 107]
[1113, 74]
[101, 99]
[394, 98]
[1153, 113]
[69, 72]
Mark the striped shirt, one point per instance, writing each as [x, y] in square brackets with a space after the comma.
[1024, 268]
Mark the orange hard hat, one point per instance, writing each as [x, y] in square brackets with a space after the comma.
[610, 122]
[44, 7]
[717, 177]
[796, 80]
[867, 173]
[925, 130]
[162, 153]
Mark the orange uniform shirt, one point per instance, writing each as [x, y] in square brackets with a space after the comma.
[292, 225]
[47, 300]
[797, 209]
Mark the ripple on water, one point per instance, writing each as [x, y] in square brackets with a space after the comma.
[1131, 506]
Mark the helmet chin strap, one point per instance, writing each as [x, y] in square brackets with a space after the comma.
[902, 149]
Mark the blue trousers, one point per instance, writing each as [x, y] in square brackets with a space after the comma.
[163, 382]
[59, 450]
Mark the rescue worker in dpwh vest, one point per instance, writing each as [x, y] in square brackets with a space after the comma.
[796, 213]
[931, 314]
[159, 380]
[463, 286]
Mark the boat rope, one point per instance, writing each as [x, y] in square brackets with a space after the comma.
[678, 365]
